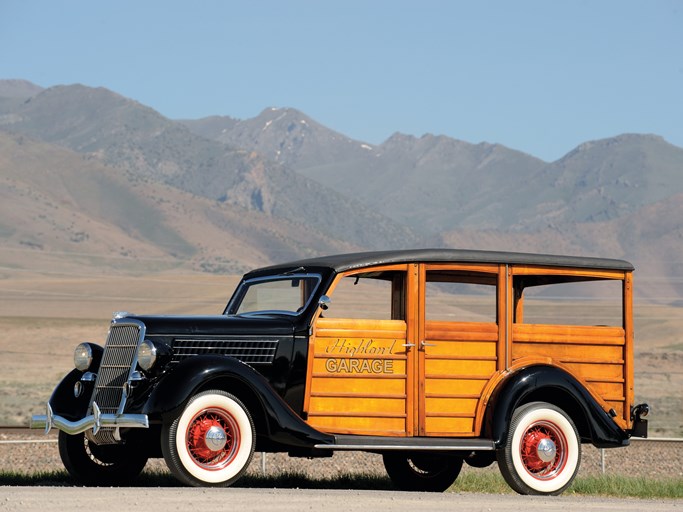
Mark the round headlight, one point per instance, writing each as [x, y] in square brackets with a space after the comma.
[147, 355]
[83, 357]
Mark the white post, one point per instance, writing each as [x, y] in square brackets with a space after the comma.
[602, 460]
[263, 463]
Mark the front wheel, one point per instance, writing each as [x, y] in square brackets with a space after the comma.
[92, 464]
[211, 442]
[422, 472]
[543, 450]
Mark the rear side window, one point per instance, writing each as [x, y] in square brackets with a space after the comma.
[589, 302]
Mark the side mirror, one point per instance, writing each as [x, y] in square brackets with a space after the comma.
[324, 302]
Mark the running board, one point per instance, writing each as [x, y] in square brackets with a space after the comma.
[374, 443]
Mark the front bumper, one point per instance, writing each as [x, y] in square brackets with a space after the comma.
[94, 421]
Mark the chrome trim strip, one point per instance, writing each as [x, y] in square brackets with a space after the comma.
[485, 446]
[124, 399]
[219, 337]
[89, 377]
[257, 350]
[226, 339]
[118, 365]
[381, 443]
[93, 421]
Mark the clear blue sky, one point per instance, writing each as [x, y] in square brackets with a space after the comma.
[538, 76]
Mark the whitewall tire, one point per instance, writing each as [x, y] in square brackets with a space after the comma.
[543, 450]
[211, 442]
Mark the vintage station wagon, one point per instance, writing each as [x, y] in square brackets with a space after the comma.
[430, 358]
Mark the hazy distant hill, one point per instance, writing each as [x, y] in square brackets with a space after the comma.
[446, 184]
[54, 199]
[14, 92]
[144, 145]
[431, 182]
[614, 197]
[286, 136]
[18, 89]
[606, 179]
[222, 193]
[68, 210]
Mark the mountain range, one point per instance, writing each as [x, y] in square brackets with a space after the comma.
[91, 179]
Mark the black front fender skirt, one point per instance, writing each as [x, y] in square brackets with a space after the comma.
[63, 401]
[283, 425]
[554, 385]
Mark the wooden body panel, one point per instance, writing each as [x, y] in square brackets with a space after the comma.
[459, 359]
[418, 377]
[595, 355]
[359, 378]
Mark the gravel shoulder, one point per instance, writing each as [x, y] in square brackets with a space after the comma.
[58, 499]
[30, 451]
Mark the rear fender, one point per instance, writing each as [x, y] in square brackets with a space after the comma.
[555, 386]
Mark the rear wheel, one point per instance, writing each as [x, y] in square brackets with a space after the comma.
[543, 450]
[92, 464]
[211, 442]
[481, 459]
[422, 472]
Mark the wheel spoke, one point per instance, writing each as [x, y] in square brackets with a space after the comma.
[542, 450]
[210, 442]
[205, 424]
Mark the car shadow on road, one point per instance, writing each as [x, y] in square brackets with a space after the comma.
[164, 479]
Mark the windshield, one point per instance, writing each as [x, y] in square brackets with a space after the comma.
[274, 294]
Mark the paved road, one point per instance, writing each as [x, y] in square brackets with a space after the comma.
[59, 499]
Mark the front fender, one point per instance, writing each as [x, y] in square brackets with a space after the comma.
[550, 384]
[283, 425]
[63, 401]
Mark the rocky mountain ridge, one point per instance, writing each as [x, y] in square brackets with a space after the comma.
[230, 194]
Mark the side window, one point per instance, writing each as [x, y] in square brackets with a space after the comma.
[372, 295]
[585, 302]
[460, 296]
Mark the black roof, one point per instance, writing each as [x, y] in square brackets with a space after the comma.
[343, 262]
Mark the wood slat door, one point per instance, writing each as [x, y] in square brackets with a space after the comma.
[459, 345]
[361, 371]
[360, 377]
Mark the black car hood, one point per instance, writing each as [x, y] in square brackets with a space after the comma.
[215, 325]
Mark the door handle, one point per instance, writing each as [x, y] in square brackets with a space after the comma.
[408, 345]
[423, 343]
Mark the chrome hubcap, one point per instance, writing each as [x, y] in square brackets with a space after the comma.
[546, 450]
[215, 438]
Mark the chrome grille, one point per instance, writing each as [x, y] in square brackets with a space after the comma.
[119, 356]
[248, 351]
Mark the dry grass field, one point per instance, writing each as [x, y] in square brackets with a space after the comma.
[43, 318]
[44, 315]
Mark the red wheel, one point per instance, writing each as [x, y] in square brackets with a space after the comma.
[213, 439]
[543, 450]
[211, 442]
